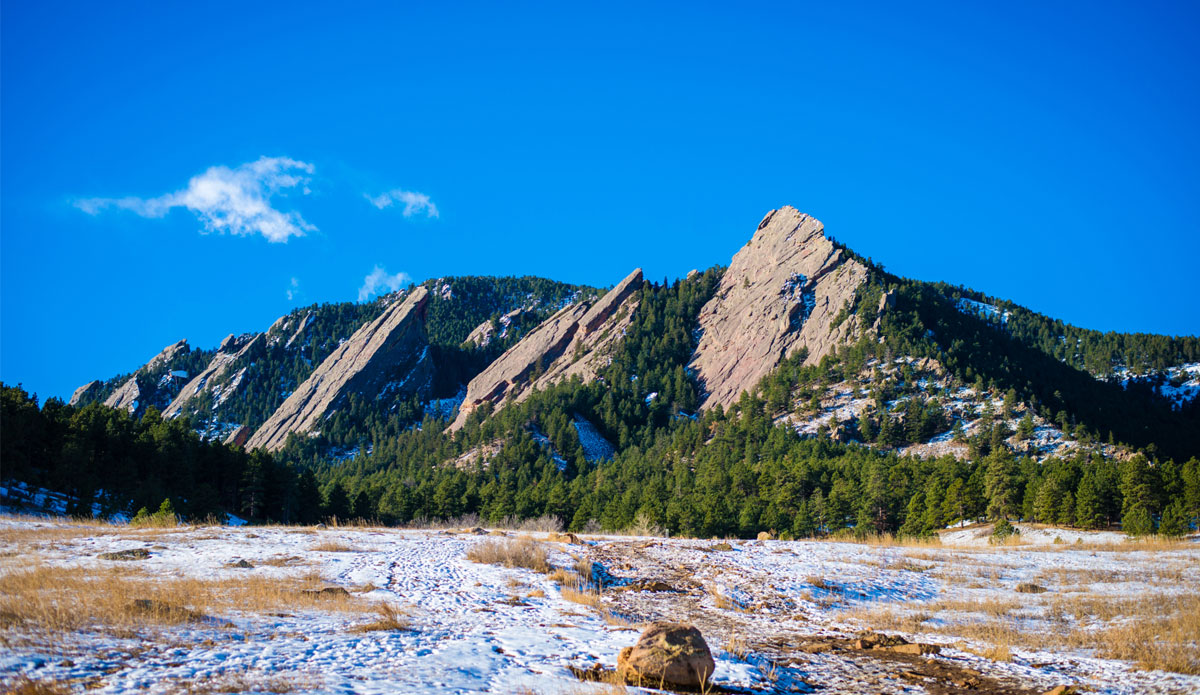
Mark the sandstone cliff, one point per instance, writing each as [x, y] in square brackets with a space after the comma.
[574, 341]
[231, 349]
[86, 394]
[153, 382]
[390, 355]
[782, 292]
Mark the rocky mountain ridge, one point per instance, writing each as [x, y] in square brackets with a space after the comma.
[389, 354]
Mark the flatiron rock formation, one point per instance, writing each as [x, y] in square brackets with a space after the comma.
[782, 292]
[132, 394]
[575, 341]
[232, 348]
[86, 394]
[386, 357]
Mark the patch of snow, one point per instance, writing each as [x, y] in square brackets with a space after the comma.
[986, 311]
[595, 447]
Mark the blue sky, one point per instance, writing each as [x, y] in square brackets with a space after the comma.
[178, 171]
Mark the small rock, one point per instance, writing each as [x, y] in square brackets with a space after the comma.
[132, 554]
[327, 592]
[242, 564]
[568, 538]
[667, 653]
[915, 649]
[722, 547]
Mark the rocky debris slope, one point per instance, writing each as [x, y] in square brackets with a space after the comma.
[87, 393]
[783, 291]
[574, 341]
[386, 357]
[151, 384]
[231, 349]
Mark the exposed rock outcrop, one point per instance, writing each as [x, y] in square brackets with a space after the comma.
[238, 437]
[128, 396]
[574, 341]
[86, 394]
[783, 291]
[142, 386]
[386, 357]
[231, 349]
[483, 333]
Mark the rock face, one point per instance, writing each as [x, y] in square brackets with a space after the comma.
[132, 393]
[238, 437]
[482, 335]
[232, 348]
[85, 394]
[574, 341]
[667, 653]
[783, 291]
[386, 357]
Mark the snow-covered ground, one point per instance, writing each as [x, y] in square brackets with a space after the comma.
[477, 628]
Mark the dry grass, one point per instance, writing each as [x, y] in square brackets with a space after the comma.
[331, 547]
[389, 619]
[27, 686]
[1152, 631]
[78, 598]
[586, 597]
[518, 552]
[241, 683]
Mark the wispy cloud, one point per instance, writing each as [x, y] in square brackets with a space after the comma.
[293, 290]
[414, 203]
[378, 280]
[235, 201]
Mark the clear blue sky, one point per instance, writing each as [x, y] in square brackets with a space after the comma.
[155, 156]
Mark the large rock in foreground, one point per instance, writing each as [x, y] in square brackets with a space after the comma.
[667, 654]
[575, 341]
[385, 358]
[783, 291]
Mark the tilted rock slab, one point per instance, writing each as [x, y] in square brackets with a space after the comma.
[576, 340]
[129, 395]
[386, 356]
[87, 392]
[232, 348]
[782, 292]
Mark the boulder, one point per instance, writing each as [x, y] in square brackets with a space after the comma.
[569, 538]
[667, 654]
[387, 357]
[782, 292]
[574, 341]
[131, 554]
[86, 394]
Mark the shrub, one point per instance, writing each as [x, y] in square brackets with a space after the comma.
[520, 552]
[1002, 531]
[165, 516]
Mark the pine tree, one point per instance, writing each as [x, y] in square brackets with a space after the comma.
[1001, 485]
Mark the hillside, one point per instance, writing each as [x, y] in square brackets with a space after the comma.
[825, 391]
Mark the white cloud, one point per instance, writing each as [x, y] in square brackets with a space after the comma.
[378, 280]
[294, 290]
[236, 201]
[414, 203]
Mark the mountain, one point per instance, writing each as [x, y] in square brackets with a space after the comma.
[823, 390]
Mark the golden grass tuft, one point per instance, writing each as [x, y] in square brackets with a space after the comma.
[511, 552]
[331, 547]
[584, 597]
[389, 619]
